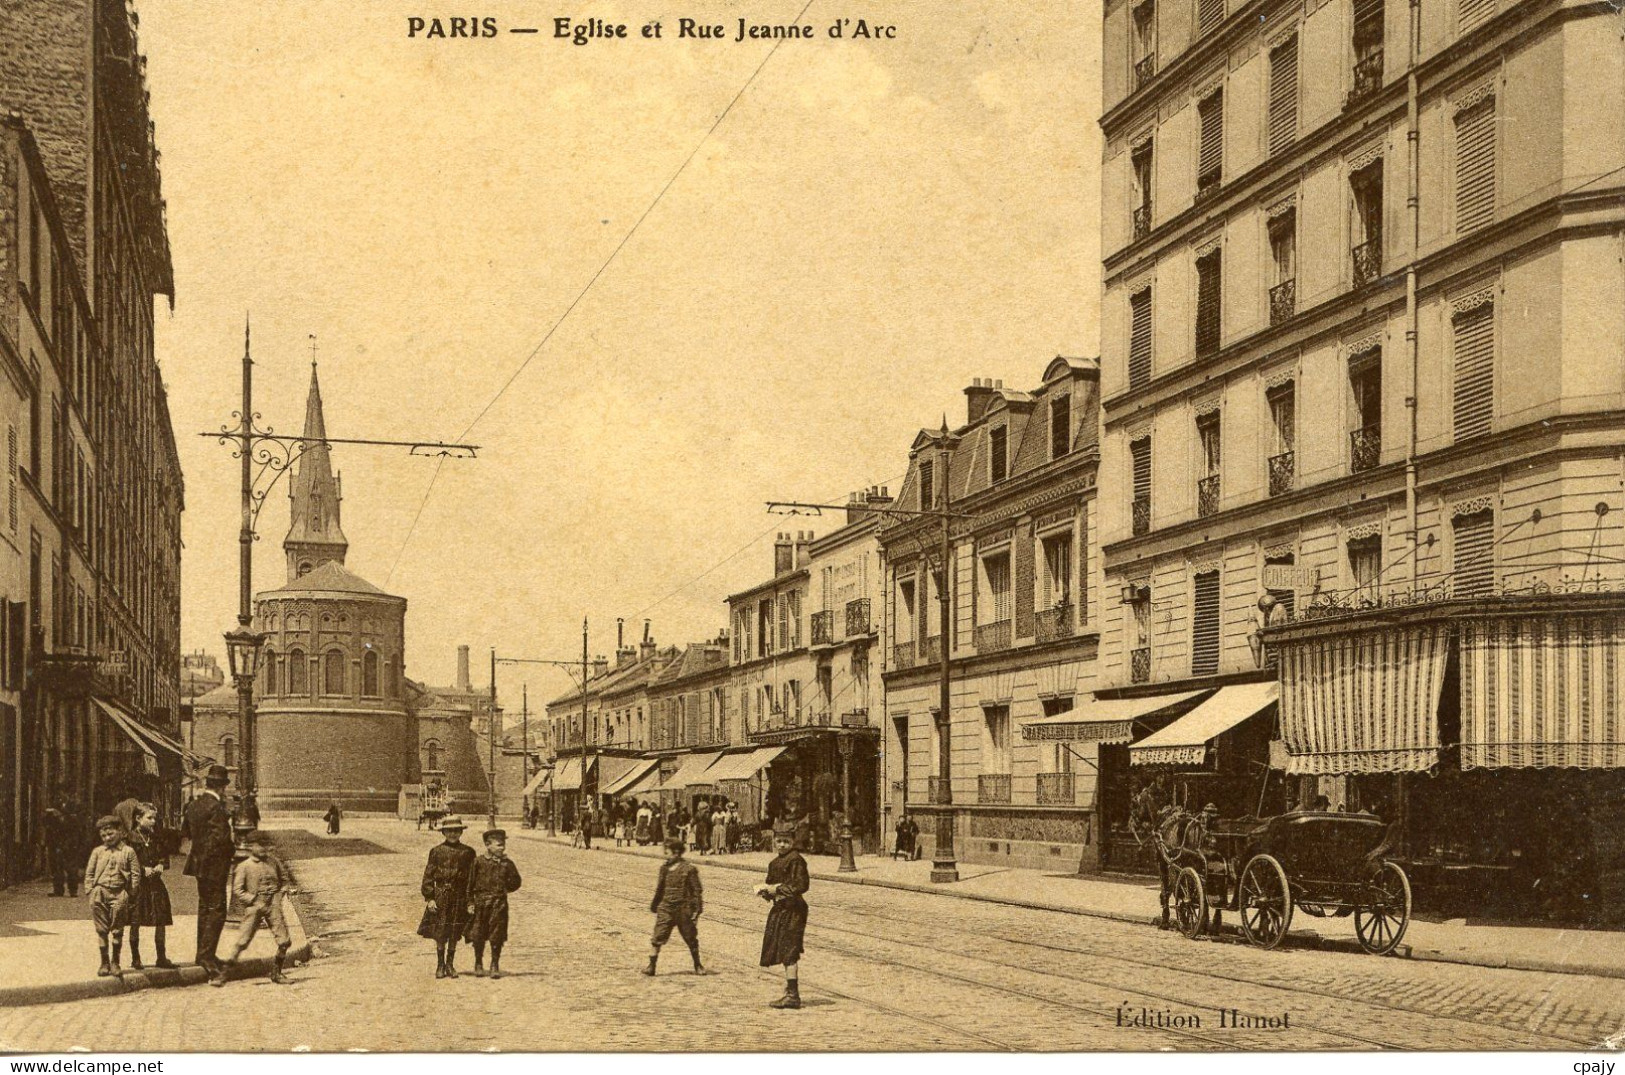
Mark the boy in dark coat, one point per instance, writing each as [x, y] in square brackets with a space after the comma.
[447, 905]
[787, 879]
[679, 901]
[493, 877]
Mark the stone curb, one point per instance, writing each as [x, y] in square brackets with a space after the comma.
[1307, 939]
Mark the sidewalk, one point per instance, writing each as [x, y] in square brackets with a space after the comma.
[48, 946]
[1520, 947]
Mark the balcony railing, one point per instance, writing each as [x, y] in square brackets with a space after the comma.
[1142, 222]
[1367, 78]
[1365, 448]
[932, 651]
[857, 617]
[992, 637]
[1054, 623]
[1283, 472]
[1207, 496]
[1283, 301]
[823, 628]
[1144, 69]
[1367, 261]
[937, 790]
[902, 655]
[1142, 515]
[1207, 184]
[1140, 665]
[1057, 789]
[993, 788]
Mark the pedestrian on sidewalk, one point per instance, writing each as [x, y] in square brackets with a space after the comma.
[152, 906]
[782, 937]
[112, 878]
[702, 826]
[589, 818]
[260, 885]
[678, 902]
[645, 817]
[333, 817]
[207, 824]
[447, 906]
[493, 877]
[908, 834]
[64, 849]
[733, 829]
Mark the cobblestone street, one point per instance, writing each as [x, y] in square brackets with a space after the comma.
[885, 970]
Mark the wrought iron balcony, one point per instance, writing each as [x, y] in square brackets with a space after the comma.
[1367, 78]
[1368, 261]
[1207, 496]
[992, 637]
[823, 628]
[902, 655]
[1283, 301]
[1207, 184]
[1283, 472]
[931, 653]
[993, 788]
[1365, 448]
[938, 791]
[1057, 789]
[1142, 515]
[1139, 670]
[855, 718]
[1144, 70]
[1142, 221]
[1054, 623]
[857, 617]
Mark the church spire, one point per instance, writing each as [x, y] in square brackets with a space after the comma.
[314, 536]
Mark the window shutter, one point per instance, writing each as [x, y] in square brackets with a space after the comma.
[1139, 339]
[1475, 371]
[1473, 560]
[1475, 166]
[1473, 12]
[1209, 13]
[1283, 94]
[1141, 451]
[11, 477]
[1210, 151]
[1205, 628]
[1208, 290]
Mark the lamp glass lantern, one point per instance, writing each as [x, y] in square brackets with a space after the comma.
[244, 649]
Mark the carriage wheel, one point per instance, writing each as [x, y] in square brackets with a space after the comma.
[1190, 903]
[1381, 923]
[1265, 901]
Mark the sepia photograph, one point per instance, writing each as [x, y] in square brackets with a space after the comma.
[791, 527]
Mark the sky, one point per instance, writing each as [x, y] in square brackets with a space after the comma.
[870, 226]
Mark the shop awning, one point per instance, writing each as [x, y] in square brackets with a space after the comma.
[634, 771]
[693, 771]
[539, 783]
[1364, 703]
[127, 725]
[1184, 742]
[1103, 720]
[567, 774]
[742, 766]
[1542, 692]
[648, 781]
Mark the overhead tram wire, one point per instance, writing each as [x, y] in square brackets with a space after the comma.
[613, 254]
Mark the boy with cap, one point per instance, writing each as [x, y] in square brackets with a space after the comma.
[447, 906]
[493, 877]
[679, 901]
[112, 878]
[260, 883]
[783, 936]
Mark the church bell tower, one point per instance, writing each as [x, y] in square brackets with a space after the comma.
[314, 536]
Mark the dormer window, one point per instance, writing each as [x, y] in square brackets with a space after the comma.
[1060, 426]
[927, 489]
[999, 453]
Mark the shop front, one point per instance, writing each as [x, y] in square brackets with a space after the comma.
[1218, 754]
[805, 785]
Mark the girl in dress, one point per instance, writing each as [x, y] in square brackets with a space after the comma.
[787, 879]
[152, 908]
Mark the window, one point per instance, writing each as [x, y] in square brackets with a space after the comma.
[1209, 299]
[1365, 568]
[1475, 166]
[1365, 187]
[1140, 456]
[1365, 381]
[792, 699]
[1207, 486]
[1283, 117]
[826, 685]
[1057, 581]
[1473, 559]
[1283, 229]
[998, 454]
[1139, 339]
[304, 568]
[764, 627]
[1060, 426]
[995, 739]
[228, 751]
[1283, 403]
[1474, 332]
[1209, 13]
[431, 756]
[1471, 13]
[369, 674]
[903, 628]
[784, 623]
[273, 673]
[1368, 51]
[1205, 625]
[927, 490]
[995, 604]
[333, 674]
[1140, 161]
[1145, 42]
[1210, 146]
[793, 604]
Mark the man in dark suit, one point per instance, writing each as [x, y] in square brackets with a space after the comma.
[208, 825]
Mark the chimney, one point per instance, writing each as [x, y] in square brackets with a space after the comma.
[979, 396]
[600, 665]
[802, 541]
[857, 506]
[783, 555]
[623, 654]
[620, 633]
[462, 670]
[647, 649]
[878, 497]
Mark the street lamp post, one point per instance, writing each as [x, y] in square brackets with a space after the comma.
[848, 862]
[244, 649]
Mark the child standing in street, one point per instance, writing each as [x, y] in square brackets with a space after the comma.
[679, 901]
[259, 885]
[112, 878]
[494, 876]
[447, 905]
[787, 880]
[152, 907]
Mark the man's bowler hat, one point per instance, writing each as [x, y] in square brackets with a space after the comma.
[217, 774]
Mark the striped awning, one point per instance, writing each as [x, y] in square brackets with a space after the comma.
[1185, 741]
[1542, 692]
[742, 766]
[149, 760]
[1365, 703]
[539, 784]
[567, 774]
[629, 772]
[1101, 720]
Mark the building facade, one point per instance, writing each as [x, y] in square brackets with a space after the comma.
[453, 756]
[1419, 247]
[1018, 481]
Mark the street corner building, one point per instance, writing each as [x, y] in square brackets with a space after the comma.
[1410, 605]
[90, 519]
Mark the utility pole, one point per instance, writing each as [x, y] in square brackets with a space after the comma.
[582, 794]
[524, 725]
[491, 735]
[553, 793]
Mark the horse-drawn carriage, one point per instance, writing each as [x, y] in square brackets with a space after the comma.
[1323, 864]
